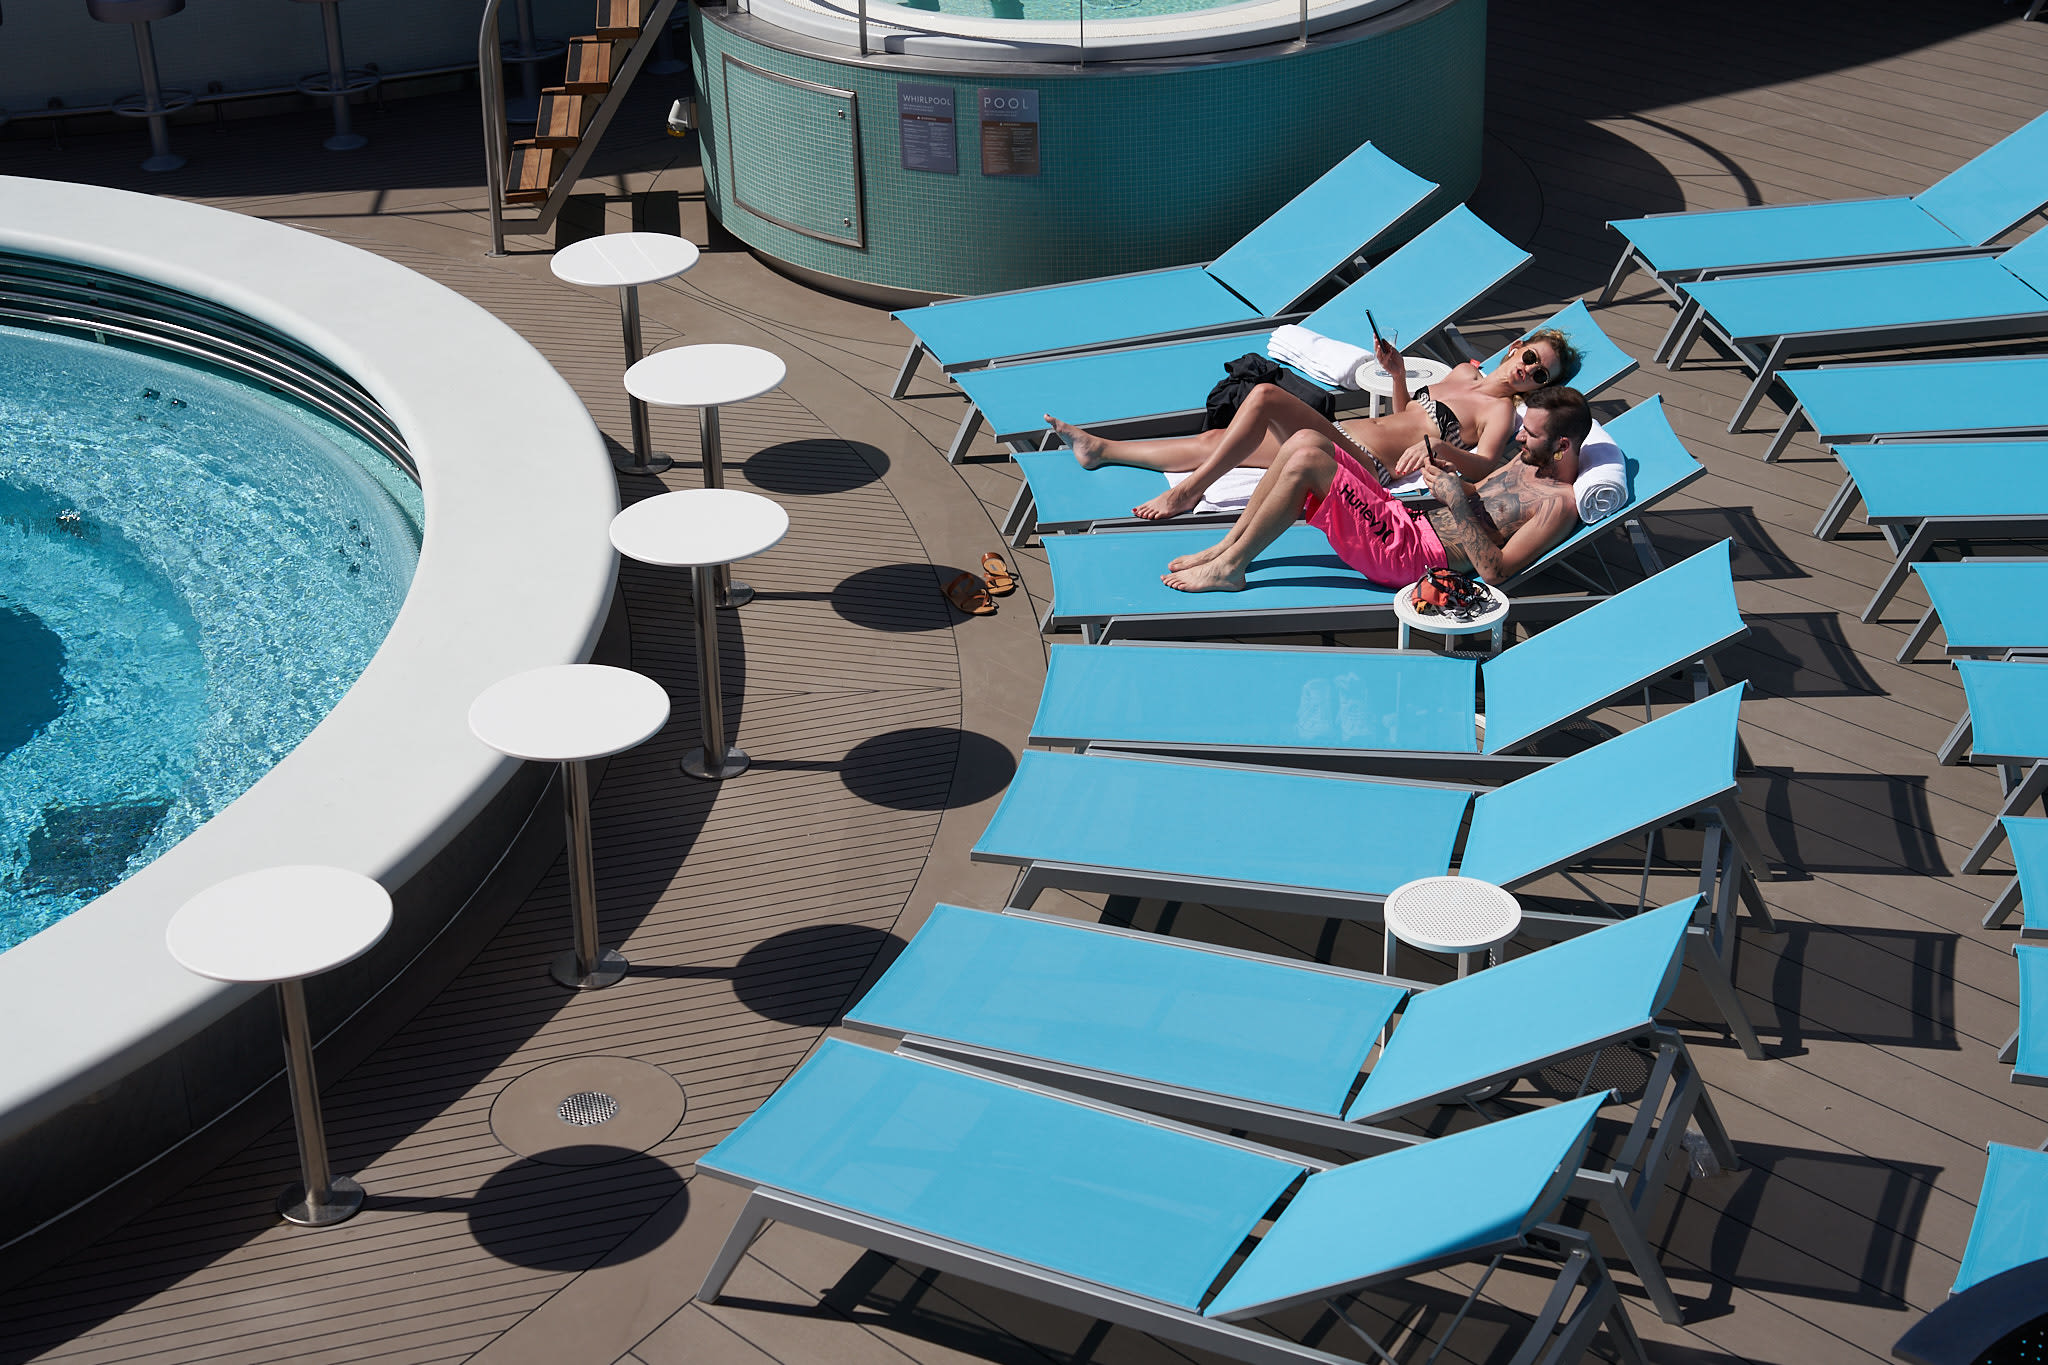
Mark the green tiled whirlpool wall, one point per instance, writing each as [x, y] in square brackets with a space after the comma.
[1143, 164]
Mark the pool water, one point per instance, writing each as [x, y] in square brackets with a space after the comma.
[193, 570]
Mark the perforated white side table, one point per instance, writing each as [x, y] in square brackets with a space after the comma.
[1420, 373]
[706, 378]
[1459, 915]
[1494, 621]
[570, 714]
[627, 260]
[702, 529]
[278, 927]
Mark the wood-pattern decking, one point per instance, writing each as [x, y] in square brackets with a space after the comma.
[881, 727]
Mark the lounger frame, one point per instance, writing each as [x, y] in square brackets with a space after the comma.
[1796, 416]
[1559, 1334]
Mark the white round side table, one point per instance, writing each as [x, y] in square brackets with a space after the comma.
[702, 529]
[278, 927]
[628, 260]
[1494, 621]
[570, 714]
[1419, 371]
[706, 378]
[1459, 915]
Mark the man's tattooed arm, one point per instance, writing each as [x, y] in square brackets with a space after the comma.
[1461, 526]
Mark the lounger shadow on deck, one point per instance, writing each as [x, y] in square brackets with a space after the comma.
[1800, 654]
[1877, 987]
[1871, 823]
[1756, 555]
[1751, 1232]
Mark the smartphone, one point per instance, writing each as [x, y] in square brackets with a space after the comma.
[1374, 325]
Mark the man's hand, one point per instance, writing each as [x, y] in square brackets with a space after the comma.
[1443, 483]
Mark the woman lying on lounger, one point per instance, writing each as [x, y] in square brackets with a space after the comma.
[1465, 419]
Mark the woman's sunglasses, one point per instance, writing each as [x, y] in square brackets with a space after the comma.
[1533, 363]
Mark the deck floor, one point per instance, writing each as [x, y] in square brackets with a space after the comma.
[883, 727]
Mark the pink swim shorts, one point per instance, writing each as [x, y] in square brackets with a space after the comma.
[1371, 530]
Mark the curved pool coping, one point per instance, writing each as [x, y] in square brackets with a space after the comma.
[515, 572]
[896, 28]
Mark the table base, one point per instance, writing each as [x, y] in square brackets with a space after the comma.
[656, 464]
[610, 970]
[736, 593]
[695, 765]
[344, 1200]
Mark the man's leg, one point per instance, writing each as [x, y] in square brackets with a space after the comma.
[1303, 466]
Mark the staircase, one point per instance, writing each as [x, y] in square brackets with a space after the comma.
[538, 172]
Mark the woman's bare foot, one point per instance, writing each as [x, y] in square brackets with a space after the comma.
[1206, 578]
[1177, 500]
[1198, 558]
[1087, 448]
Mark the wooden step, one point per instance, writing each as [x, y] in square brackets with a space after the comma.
[563, 117]
[619, 20]
[590, 65]
[533, 172]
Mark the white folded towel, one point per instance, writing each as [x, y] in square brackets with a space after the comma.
[1231, 491]
[1602, 485]
[1322, 358]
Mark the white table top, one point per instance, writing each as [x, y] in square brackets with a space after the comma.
[1422, 372]
[699, 527]
[704, 376]
[1405, 612]
[569, 712]
[624, 258]
[1452, 914]
[279, 924]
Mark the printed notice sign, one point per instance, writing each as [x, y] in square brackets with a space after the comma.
[924, 123]
[1009, 132]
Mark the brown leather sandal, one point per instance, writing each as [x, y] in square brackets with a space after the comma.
[1001, 582]
[967, 593]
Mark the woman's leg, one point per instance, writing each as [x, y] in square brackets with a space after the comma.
[1167, 454]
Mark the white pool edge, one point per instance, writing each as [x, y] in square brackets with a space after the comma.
[515, 572]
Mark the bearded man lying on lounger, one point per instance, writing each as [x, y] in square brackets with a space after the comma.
[1495, 527]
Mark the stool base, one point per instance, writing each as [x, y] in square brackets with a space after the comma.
[736, 761]
[611, 969]
[737, 594]
[169, 161]
[656, 464]
[344, 1200]
[346, 142]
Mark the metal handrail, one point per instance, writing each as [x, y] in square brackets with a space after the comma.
[490, 84]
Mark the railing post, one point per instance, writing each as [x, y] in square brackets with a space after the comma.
[490, 84]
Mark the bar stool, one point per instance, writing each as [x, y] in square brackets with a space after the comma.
[628, 260]
[703, 529]
[706, 378]
[527, 52]
[154, 103]
[570, 714]
[1461, 915]
[278, 927]
[339, 82]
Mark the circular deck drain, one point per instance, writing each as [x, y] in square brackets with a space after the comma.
[587, 1108]
[586, 1111]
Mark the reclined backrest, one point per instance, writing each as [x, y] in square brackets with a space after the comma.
[1994, 189]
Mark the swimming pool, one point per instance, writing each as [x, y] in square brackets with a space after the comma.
[193, 571]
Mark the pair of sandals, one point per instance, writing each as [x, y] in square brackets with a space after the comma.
[975, 596]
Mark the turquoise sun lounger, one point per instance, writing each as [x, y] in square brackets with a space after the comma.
[1917, 493]
[1445, 269]
[1361, 709]
[1058, 495]
[2004, 722]
[2028, 889]
[1270, 270]
[1766, 319]
[1255, 1044]
[1107, 584]
[2001, 396]
[1985, 197]
[1134, 1220]
[1334, 845]
[1972, 601]
[2010, 1227]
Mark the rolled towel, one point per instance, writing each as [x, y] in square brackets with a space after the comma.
[1602, 485]
[1322, 358]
